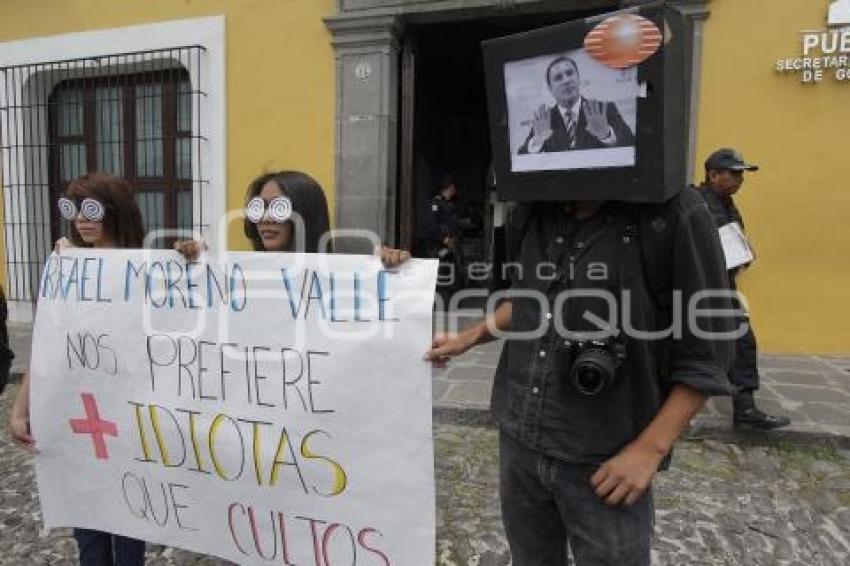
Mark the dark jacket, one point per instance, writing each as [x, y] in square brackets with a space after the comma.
[440, 221]
[559, 141]
[722, 207]
[724, 211]
[6, 355]
[533, 400]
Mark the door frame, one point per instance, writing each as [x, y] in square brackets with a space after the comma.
[368, 39]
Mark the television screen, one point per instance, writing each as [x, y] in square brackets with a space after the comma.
[592, 109]
[557, 97]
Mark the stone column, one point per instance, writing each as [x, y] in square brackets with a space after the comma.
[696, 11]
[367, 54]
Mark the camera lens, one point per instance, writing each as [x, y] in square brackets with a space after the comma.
[592, 371]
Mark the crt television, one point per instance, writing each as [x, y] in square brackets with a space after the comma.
[592, 109]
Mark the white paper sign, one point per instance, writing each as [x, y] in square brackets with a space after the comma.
[736, 247]
[264, 408]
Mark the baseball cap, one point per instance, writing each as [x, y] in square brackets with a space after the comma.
[728, 159]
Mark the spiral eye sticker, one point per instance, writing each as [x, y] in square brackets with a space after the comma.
[255, 210]
[279, 209]
[92, 210]
[67, 209]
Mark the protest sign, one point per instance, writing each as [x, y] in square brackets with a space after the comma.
[265, 408]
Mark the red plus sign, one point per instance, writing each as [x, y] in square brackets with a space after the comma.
[94, 426]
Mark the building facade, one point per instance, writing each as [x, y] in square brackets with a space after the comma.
[377, 98]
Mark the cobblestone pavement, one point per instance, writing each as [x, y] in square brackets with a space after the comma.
[725, 501]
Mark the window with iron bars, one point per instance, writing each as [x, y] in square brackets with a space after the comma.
[136, 115]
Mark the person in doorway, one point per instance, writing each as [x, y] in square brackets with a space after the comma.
[439, 235]
[102, 213]
[440, 231]
[724, 175]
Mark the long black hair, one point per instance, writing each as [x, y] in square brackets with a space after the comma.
[123, 220]
[308, 201]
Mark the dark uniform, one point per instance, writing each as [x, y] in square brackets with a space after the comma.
[728, 166]
[552, 436]
[744, 374]
[440, 222]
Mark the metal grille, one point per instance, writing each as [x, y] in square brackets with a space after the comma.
[137, 115]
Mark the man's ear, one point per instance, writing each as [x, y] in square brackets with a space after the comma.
[711, 176]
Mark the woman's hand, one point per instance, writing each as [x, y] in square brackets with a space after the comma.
[392, 257]
[19, 417]
[190, 249]
[62, 244]
[19, 428]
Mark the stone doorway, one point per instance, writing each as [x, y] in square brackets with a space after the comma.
[375, 41]
[444, 130]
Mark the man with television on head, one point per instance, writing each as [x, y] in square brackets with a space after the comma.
[586, 421]
[617, 321]
[724, 175]
[575, 122]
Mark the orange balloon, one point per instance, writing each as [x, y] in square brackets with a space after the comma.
[623, 41]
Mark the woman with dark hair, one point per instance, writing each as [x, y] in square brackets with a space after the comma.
[308, 206]
[103, 214]
[120, 222]
[286, 211]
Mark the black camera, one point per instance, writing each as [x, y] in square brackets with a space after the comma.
[595, 364]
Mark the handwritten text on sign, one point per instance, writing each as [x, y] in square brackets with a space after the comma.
[266, 408]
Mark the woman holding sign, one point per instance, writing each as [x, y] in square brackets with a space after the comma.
[287, 211]
[102, 213]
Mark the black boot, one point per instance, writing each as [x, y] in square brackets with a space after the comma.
[747, 416]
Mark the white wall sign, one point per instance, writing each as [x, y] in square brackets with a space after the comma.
[839, 13]
[825, 52]
[265, 408]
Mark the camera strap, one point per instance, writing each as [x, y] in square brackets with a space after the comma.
[652, 224]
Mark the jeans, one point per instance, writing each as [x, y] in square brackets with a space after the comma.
[97, 549]
[548, 504]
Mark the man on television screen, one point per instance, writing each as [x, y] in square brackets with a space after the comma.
[575, 122]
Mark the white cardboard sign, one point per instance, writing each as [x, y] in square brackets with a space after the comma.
[264, 408]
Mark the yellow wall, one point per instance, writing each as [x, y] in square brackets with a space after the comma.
[279, 75]
[797, 208]
[280, 113]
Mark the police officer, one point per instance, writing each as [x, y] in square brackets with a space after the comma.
[724, 175]
[585, 423]
[439, 232]
[438, 238]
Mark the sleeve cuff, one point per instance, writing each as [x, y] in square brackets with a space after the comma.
[707, 378]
